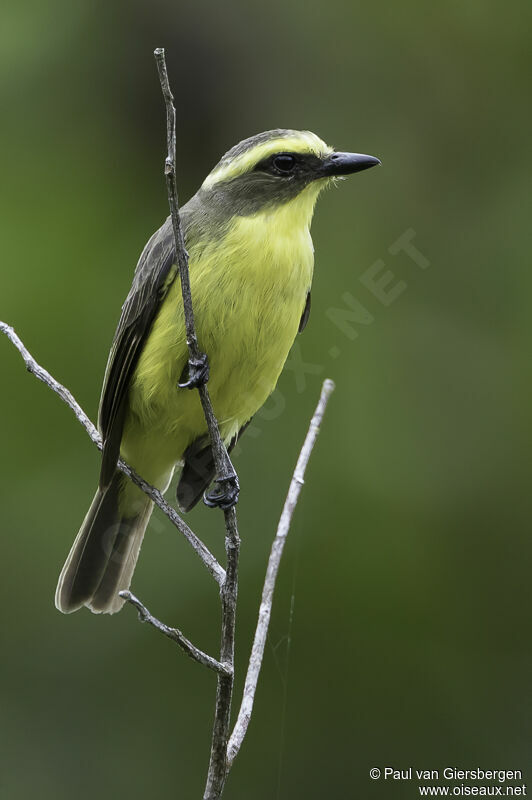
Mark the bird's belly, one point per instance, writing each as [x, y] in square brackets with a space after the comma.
[247, 317]
[245, 372]
[260, 298]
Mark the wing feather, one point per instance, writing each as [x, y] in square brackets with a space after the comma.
[153, 276]
[306, 314]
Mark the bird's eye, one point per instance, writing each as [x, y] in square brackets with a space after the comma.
[284, 163]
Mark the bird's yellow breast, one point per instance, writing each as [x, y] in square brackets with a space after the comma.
[248, 291]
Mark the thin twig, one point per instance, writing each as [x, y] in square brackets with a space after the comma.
[176, 636]
[221, 458]
[225, 472]
[44, 376]
[216, 570]
[257, 651]
[218, 766]
[173, 202]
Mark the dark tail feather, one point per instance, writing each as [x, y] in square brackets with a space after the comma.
[105, 551]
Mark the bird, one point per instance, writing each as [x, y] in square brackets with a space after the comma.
[251, 258]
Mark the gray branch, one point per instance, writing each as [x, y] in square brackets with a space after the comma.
[216, 570]
[257, 651]
[221, 458]
[225, 471]
[176, 636]
[218, 766]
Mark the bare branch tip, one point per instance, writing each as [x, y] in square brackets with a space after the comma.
[129, 597]
[8, 330]
[143, 613]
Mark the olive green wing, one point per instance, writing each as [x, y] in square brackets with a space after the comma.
[154, 274]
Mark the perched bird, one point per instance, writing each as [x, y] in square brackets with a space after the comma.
[251, 262]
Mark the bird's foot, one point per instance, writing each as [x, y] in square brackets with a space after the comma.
[226, 495]
[198, 373]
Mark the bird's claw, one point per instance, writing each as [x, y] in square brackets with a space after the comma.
[198, 373]
[226, 495]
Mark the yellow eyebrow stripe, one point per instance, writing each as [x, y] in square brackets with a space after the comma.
[303, 142]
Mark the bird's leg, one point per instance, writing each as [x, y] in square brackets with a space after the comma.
[226, 495]
[198, 373]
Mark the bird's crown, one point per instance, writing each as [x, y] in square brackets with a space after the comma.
[249, 153]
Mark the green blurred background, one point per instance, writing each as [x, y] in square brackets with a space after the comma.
[408, 565]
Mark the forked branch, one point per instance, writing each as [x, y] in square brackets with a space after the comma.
[224, 749]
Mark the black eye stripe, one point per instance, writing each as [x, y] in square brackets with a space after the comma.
[280, 164]
[290, 166]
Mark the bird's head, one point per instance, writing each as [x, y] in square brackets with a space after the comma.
[275, 168]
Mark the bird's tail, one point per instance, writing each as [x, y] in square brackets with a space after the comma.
[103, 557]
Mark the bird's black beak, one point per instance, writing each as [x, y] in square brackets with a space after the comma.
[346, 164]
